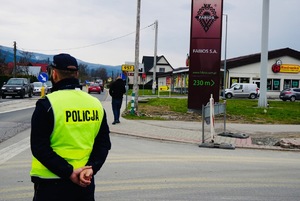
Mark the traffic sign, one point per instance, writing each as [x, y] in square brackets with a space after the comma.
[164, 88]
[123, 76]
[126, 67]
[43, 77]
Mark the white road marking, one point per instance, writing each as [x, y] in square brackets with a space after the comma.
[13, 150]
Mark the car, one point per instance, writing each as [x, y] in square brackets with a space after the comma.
[94, 87]
[242, 90]
[37, 88]
[100, 82]
[291, 94]
[17, 87]
[49, 86]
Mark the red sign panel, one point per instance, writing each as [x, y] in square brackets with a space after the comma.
[205, 52]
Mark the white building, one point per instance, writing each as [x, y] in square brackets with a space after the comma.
[283, 70]
[147, 68]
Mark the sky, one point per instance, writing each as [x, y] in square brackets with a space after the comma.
[103, 31]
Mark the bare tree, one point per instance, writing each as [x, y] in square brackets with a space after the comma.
[99, 73]
[22, 67]
[3, 64]
[103, 74]
[83, 74]
[26, 58]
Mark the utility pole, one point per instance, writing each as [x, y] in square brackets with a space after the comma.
[154, 60]
[15, 59]
[262, 101]
[135, 91]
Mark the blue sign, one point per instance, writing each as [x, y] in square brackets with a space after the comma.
[123, 76]
[43, 77]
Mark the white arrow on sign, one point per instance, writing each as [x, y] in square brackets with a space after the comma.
[43, 78]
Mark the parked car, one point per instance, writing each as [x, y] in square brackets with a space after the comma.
[37, 88]
[291, 94]
[242, 90]
[17, 87]
[94, 87]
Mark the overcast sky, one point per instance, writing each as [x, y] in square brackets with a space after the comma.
[102, 31]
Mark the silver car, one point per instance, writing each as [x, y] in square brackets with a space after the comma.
[37, 87]
[291, 94]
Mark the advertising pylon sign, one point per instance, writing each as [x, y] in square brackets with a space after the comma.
[205, 52]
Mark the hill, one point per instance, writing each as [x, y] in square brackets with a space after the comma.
[8, 52]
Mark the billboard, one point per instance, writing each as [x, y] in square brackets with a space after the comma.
[205, 52]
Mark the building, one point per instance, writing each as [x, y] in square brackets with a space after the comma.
[29, 69]
[147, 68]
[283, 70]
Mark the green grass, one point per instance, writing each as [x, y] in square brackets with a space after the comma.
[278, 112]
[148, 92]
[237, 110]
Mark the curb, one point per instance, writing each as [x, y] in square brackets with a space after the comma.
[239, 143]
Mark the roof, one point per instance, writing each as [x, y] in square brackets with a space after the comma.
[255, 58]
[34, 70]
[149, 60]
[42, 65]
[181, 70]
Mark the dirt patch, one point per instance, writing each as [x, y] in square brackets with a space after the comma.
[164, 112]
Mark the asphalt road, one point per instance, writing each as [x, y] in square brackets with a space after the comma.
[11, 123]
[18, 120]
[141, 169]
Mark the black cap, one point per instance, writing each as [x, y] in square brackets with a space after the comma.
[65, 62]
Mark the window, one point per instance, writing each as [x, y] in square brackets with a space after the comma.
[290, 84]
[273, 84]
[239, 80]
[161, 70]
[244, 80]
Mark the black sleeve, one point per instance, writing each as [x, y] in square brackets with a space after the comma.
[42, 123]
[111, 90]
[102, 145]
[124, 88]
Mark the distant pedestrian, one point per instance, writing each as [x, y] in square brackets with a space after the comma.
[116, 90]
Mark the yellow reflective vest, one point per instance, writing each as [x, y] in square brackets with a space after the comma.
[77, 120]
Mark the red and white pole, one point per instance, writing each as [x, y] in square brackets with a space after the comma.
[212, 117]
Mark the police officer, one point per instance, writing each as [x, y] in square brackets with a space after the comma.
[69, 137]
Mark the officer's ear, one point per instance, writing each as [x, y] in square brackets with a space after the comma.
[55, 75]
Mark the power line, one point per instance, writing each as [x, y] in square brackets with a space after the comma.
[91, 45]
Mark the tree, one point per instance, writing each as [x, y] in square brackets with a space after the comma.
[3, 64]
[99, 73]
[83, 74]
[103, 74]
[22, 67]
[25, 58]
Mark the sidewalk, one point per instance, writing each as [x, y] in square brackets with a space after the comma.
[191, 132]
[178, 131]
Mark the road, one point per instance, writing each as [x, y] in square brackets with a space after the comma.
[17, 120]
[142, 169]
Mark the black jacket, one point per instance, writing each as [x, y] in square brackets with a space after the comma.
[117, 89]
[42, 124]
